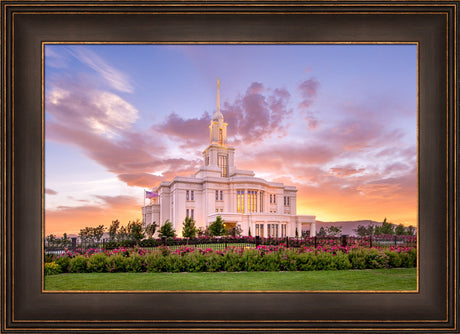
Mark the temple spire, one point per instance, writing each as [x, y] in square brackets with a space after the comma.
[218, 95]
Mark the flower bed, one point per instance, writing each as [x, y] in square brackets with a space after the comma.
[262, 258]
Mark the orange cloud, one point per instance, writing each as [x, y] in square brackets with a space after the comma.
[70, 220]
[346, 204]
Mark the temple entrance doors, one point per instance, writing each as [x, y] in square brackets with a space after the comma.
[230, 228]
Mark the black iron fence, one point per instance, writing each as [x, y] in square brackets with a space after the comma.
[221, 243]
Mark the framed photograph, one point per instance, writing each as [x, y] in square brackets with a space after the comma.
[101, 44]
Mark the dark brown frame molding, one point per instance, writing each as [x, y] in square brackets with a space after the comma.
[26, 25]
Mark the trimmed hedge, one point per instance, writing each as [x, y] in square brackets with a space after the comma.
[187, 259]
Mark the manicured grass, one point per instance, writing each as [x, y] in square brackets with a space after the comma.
[356, 280]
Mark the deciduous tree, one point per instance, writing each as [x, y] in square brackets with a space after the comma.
[167, 230]
[334, 231]
[135, 231]
[113, 229]
[400, 230]
[217, 228]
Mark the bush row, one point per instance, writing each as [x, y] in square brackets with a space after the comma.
[233, 259]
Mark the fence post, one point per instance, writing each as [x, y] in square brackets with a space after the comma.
[74, 245]
[395, 240]
[257, 241]
[163, 240]
[344, 240]
[225, 240]
[287, 242]
[315, 241]
[370, 240]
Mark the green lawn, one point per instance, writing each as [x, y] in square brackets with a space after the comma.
[351, 280]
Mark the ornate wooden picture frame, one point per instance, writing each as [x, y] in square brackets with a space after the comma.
[29, 24]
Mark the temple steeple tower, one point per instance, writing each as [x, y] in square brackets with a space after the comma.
[218, 156]
[218, 128]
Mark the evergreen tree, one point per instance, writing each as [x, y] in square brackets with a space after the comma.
[400, 230]
[387, 228]
[217, 228]
[189, 229]
[167, 230]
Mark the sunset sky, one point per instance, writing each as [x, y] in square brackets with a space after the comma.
[339, 122]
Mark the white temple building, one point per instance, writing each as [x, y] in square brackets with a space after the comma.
[218, 188]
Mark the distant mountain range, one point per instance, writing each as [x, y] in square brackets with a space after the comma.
[348, 227]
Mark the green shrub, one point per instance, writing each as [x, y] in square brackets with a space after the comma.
[394, 259]
[325, 261]
[376, 259]
[63, 262]
[97, 263]
[116, 263]
[237, 259]
[341, 261]
[78, 264]
[306, 261]
[119, 244]
[214, 262]
[175, 263]
[52, 268]
[195, 261]
[357, 259]
[409, 259]
[135, 263]
[251, 260]
[148, 243]
[231, 261]
[271, 262]
[155, 262]
[287, 260]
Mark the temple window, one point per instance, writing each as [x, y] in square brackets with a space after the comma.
[240, 201]
[223, 164]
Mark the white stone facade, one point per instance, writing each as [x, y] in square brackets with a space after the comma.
[257, 206]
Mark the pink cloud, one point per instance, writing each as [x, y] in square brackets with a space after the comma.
[291, 155]
[346, 171]
[192, 130]
[258, 114]
[144, 180]
[50, 191]
[104, 134]
[308, 90]
[120, 201]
